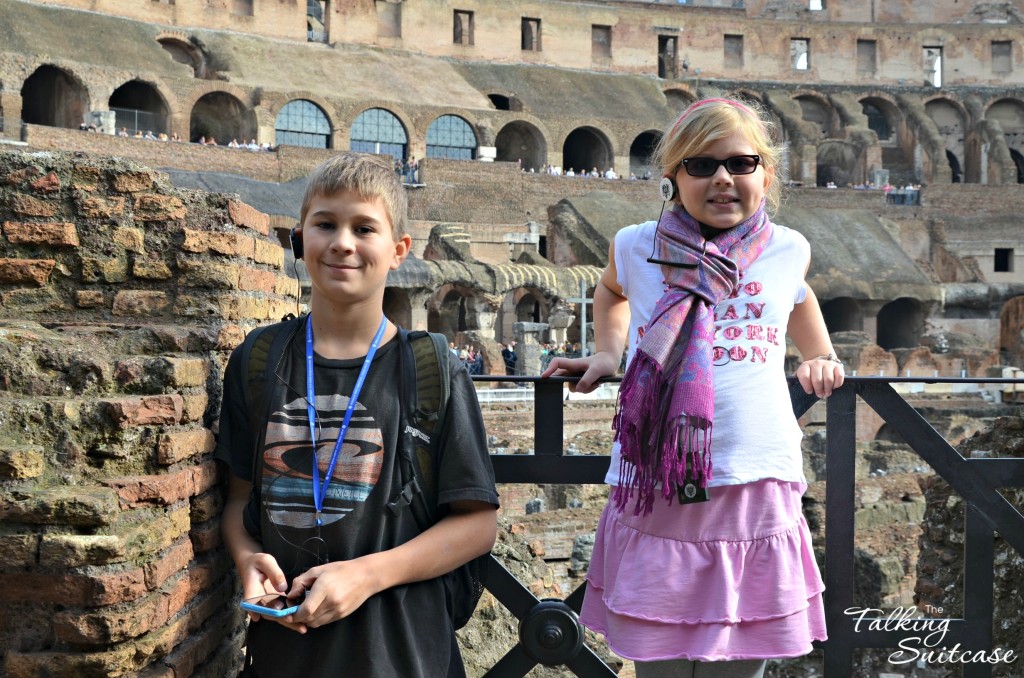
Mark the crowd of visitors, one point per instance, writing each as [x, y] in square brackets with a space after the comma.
[408, 170]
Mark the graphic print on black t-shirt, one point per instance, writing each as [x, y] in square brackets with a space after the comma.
[287, 463]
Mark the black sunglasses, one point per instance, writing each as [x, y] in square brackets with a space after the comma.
[705, 167]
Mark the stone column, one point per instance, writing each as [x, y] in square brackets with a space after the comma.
[559, 320]
[481, 312]
[528, 347]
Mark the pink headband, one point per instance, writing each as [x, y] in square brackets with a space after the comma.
[717, 100]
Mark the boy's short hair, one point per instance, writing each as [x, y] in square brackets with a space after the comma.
[708, 120]
[369, 176]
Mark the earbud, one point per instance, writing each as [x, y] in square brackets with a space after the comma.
[295, 238]
[666, 188]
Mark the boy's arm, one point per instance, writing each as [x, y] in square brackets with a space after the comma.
[818, 374]
[611, 325]
[258, 571]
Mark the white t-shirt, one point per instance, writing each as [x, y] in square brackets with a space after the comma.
[755, 434]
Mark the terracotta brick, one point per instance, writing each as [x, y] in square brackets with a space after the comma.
[75, 550]
[132, 182]
[207, 274]
[104, 269]
[34, 301]
[194, 407]
[62, 505]
[154, 207]
[165, 489]
[268, 253]
[140, 303]
[244, 215]
[18, 551]
[256, 280]
[151, 269]
[286, 286]
[88, 298]
[176, 446]
[33, 207]
[74, 589]
[21, 461]
[144, 411]
[206, 537]
[23, 271]
[228, 244]
[53, 234]
[132, 239]
[206, 506]
[229, 336]
[47, 184]
[94, 207]
[22, 175]
[170, 562]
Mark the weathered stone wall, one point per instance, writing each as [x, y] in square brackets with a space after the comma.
[120, 298]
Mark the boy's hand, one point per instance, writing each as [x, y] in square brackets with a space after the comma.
[593, 367]
[261, 574]
[820, 376]
[333, 591]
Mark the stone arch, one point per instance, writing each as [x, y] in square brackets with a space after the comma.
[679, 99]
[140, 106]
[1009, 113]
[587, 147]
[221, 115]
[184, 51]
[452, 136]
[901, 323]
[520, 140]
[836, 162]
[380, 130]
[449, 311]
[1011, 331]
[54, 97]
[818, 111]
[641, 152]
[887, 433]
[884, 118]
[843, 314]
[951, 120]
[398, 306]
[301, 122]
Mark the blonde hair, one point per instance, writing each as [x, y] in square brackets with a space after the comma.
[368, 176]
[707, 121]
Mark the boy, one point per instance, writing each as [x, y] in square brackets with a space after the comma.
[373, 603]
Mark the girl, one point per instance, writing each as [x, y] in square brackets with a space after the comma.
[703, 563]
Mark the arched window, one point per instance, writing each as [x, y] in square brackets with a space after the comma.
[450, 137]
[379, 131]
[302, 123]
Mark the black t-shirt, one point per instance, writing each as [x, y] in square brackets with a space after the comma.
[403, 631]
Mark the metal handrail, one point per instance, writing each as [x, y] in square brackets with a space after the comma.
[976, 480]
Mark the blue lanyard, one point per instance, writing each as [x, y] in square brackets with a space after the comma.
[319, 491]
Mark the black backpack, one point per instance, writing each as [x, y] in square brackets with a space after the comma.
[423, 394]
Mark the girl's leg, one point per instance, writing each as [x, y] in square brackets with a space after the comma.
[670, 668]
[741, 668]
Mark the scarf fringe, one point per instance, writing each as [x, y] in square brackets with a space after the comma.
[648, 456]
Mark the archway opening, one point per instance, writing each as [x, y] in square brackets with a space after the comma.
[53, 97]
[450, 136]
[843, 314]
[954, 167]
[900, 323]
[379, 131]
[302, 123]
[221, 117]
[640, 152]
[139, 107]
[586, 149]
[521, 142]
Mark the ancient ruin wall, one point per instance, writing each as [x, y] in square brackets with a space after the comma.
[120, 299]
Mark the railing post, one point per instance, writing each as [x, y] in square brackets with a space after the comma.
[840, 472]
[548, 416]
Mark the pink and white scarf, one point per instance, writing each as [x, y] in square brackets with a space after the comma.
[667, 397]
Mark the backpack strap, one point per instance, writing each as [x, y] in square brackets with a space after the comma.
[262, 352]
[423, 393]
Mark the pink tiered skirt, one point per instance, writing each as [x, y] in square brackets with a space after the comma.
[732, 578]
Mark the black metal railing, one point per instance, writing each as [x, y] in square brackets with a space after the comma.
[549, 629]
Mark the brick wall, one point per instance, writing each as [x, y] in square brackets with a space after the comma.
[120, 300]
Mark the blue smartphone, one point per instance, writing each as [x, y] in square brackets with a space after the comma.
[275, 605]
